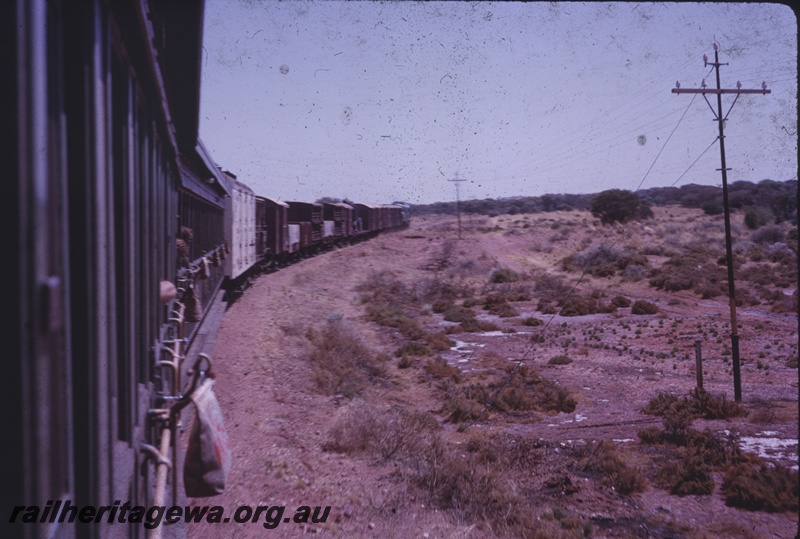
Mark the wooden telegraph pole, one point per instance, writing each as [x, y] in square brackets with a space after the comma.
[737, 380]
[458, 201]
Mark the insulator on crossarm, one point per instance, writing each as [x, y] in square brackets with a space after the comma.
[716, 47]
[703, 84]
[705, 59]
[764, 85]
[738, 84]
[677, 84]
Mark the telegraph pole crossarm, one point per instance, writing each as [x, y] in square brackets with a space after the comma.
[719, 91]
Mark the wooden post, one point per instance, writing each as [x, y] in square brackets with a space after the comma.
[699, 364]
[737, 378]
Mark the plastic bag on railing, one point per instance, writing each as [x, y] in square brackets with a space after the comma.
[208, 457]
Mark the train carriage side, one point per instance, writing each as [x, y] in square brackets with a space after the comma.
[202, 241]
[101, 100]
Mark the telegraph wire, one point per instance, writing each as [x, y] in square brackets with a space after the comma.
[540, 335]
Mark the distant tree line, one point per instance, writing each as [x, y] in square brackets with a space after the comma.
[764, 202]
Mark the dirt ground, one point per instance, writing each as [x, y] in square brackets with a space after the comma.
[279, 422]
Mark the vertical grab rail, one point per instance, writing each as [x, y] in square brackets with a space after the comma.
[164, 414]
[169, 417]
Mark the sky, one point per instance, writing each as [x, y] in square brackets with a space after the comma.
[383, 101]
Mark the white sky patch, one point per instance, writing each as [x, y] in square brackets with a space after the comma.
[384, 101]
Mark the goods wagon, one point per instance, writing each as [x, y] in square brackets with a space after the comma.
[339, 218]
[367, 218]
[240, 227]
[308, 217]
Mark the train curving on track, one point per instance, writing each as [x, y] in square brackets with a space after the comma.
[126, 234]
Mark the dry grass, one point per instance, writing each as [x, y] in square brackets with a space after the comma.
[391, 303]
[340, 361]
[475, 482]
[601, 458]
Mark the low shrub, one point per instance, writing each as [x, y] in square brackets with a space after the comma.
[390, 303]
[340, 361]
[771, 488]
[440, 368]
[504, 275]
[708, 406]
[693, 477]
[438, 341]
[395, 316]
[603, 459]
[643, 307]
[758, 216]
[441, 305]
[620, 302]
[532, 321]
[602, 261]
[412, 348]
[499, 306]
[523, 390]
[459, 314]
[696, 270]
[580, 305]
[768, 234]
[699, 403]
[677, 421]
[474, 325]
[560, 360]
[651, 435]
[392, 434]
[659, 404]
[592, 257]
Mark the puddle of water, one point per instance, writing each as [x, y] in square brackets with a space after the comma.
[565, 442]
[461, 346]
[498, 333]
[767, 446]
